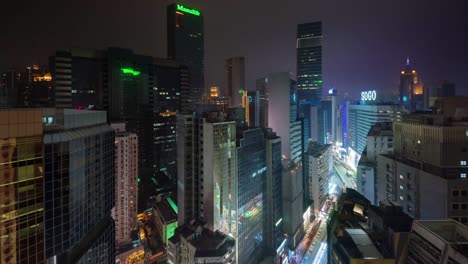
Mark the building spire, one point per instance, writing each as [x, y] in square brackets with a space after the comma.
[407, 61]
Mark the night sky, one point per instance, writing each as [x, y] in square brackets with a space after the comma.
[366, 42]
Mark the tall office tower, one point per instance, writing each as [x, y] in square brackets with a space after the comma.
[126, 185]
[439, 241]
[171, 80]
[235, 79]
[77, 75]
[79, 187]
[292, 188]
[320, 168]
[282, 93]
[379, 141]
[427, 173]
[185, 39]
[438, 89]
[325, 121]
[360, 118]
[273, 193]
[21, 191]
[411, 89]
[144, 93]
[219, 174]
[309, 72]
[361, 233]
[261, 109]
[251, 170]
[188, 199]
[332, 93]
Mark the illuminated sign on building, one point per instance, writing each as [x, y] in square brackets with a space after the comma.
[368, 95]
[130, 71]
[188, 10]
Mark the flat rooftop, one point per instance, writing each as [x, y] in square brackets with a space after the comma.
[166, 210]
[452, 232]
[364, 244]
[316, 150]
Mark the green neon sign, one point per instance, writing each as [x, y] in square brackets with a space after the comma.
[247, 215]
[241, 91]
[130, 71]
[173, 205]
[188, 10]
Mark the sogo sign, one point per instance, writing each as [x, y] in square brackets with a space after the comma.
[368, 96]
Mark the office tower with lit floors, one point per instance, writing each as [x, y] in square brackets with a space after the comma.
[411, 89]
[251, 170]
[21, 186]
[126, 185]
[79, 187]
[273, 193]
[185, 38]
[309, 73]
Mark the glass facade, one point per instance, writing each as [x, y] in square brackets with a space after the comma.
[309, 78]
[79, 192]
[251, 180]
[185, 45]
[21, 196]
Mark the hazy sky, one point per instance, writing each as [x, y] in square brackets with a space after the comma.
[365, 42]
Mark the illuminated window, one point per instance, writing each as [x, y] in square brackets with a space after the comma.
[401, 177]
[463, 162]
[463, 175]
[179, 20]
[401, 187]
[401, 197]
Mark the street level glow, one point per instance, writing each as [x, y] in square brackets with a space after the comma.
[188, 10]
[130, 71]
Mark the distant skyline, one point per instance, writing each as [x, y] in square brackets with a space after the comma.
[365, 46]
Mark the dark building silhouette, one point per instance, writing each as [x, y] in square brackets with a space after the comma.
[185, 39]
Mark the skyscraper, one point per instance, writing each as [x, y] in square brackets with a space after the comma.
[21, 186]
[273, 193]
[309, 73]
[282, 112]
[411, 89]
[309, 62]
[235, 79]
[126, 184]
[79, 187]
[185, 40]
[251, 169]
